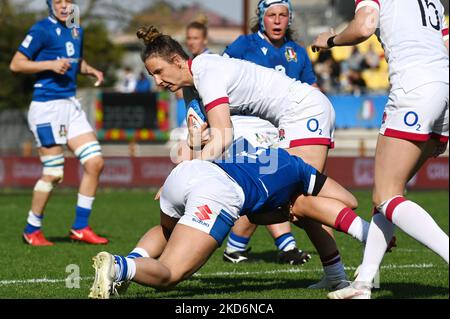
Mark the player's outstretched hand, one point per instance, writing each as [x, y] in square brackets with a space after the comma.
[321, 42]
[99, 76]
[61, 66]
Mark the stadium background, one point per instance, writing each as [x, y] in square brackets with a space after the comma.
[137, 148]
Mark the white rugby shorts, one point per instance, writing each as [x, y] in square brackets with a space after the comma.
[202, 196]
[309, 121]
[418, 115]
[55, 122]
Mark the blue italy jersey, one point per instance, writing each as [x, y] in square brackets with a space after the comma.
[270, 178]
[291, 58]
[51, 40]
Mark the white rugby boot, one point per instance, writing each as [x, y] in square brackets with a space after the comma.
[356, 290]
[104, 276]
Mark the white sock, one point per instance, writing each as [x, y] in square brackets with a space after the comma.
[416, 222]
[359, 229]
[380, 234]
[138, 253]
[34, 220]
[85, 201]
[348, 222]
[119, 266]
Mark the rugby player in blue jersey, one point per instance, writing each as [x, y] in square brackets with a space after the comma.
[53, 50]
[200, 202]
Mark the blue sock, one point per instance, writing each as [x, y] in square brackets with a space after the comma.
[34, 223]
[237, 243]
[285, 242]
[124, 267]
[81, 218]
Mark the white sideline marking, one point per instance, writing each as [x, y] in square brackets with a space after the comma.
[238, 273]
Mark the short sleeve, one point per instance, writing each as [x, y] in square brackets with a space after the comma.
[210, 83]
[367, 3]
[33, 42]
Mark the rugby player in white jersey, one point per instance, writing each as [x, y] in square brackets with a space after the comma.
[303, 114]
[415, 124]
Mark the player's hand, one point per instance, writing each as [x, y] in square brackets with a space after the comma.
[197, 134]
[60, 66]
[99, 76]
[320, 43]
[158, 194]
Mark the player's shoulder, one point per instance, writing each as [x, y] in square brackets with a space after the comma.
[43, 25]
[205, 60]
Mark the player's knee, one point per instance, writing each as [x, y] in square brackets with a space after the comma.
[351, 201]
[299, 207]
[53, 170]
[90, 156]
[94, 166]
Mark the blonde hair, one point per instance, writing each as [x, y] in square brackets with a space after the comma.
[201, 23]
[159, 44]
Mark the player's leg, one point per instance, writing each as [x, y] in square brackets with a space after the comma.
[333, 206]
[396, 162]
[179, 260]
[209, 213]
[287, 245]
[46, 121]
[153, 243]
[52, 159]
[322, 236]
[237, 249]
[88, 151]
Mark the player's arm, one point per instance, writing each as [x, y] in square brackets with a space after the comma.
[86, 69]
[220, 133]
[361, 28]
[20, 63]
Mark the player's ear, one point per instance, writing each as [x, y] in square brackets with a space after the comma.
[178, 61]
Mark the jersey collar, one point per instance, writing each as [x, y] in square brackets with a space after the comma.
[190, 65]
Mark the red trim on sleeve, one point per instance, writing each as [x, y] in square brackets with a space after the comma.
[213, 104]
[190, 65]
[393, 205]
[445, 32]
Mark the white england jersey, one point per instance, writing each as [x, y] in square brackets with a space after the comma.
[413, 35]
[248, 88]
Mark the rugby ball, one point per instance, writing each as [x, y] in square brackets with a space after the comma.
[195, 115]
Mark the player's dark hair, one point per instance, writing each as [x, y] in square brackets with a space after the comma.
[200, 24]
[158, 44]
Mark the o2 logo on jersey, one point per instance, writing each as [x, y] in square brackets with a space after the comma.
[411, 119]
[70, 49]
[313, 126]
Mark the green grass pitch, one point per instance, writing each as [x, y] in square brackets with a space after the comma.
[411, 271]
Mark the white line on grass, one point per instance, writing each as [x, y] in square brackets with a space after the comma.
[237, 273]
